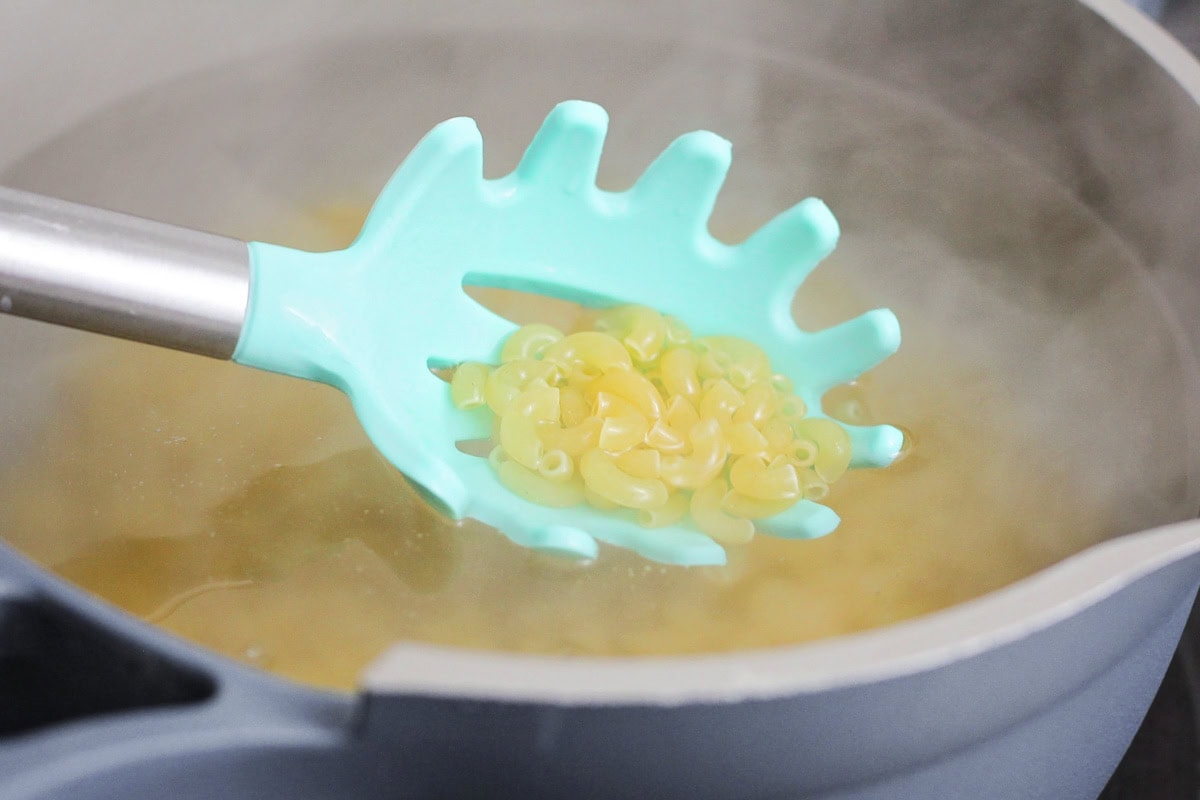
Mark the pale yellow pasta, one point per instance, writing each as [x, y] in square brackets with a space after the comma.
[813, 486]
[647, 338]
[665, 439]
[778, 434]
[536, 489]
[681, 414]
[737, 504]
[556, 466]
[678, 333]
[752, 476]
[833, 446]
[703, 464]
[679, 375]
[641, 462]
[573, 404]
[508, 380]
[499, 395]
[675, 509]
[519, 427]
[531, 370]
[607, 404]
[467, 385]
[745, 439]
[759, 403]
[602, 475]
[519, 438]
[792, 409]
[654, 375]
[529, 342]
[579, 376]
[720, 401]
[596, 501]
[592, 349]
[573, 440]
[741, 376]
[638, 415]
[713, 364]
[632, 387]
[618, 434]
[803, 452]
[705, 508]
[642, 330]
[743, 361]
[496, 457]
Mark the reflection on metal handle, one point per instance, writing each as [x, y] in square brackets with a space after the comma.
[122, 276]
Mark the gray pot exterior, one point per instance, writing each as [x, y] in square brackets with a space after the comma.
[1047, 715]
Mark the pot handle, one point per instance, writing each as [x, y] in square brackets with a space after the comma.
[56, 667]
[92, 700]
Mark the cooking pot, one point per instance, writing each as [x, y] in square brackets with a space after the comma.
[211, 114]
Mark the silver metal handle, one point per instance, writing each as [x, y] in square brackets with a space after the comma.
[120, 275]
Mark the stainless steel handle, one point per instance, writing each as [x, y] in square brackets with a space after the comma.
[121, 275]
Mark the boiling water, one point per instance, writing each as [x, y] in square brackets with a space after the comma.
[247, 511]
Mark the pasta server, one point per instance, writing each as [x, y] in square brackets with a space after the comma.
[373, 319]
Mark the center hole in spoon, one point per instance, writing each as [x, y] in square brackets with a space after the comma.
[526, 306]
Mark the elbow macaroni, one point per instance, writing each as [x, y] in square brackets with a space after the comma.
[639, 417]
[602, 475]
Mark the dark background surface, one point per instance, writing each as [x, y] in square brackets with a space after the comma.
[1163, 763]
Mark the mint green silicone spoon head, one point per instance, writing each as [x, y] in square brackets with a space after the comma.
[374, 318]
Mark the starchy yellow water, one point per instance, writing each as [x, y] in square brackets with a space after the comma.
[247, 512]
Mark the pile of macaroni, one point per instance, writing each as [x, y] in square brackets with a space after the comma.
[637, 414]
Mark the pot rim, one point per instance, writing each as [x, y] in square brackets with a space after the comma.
[1163, 48]
[959, 632]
